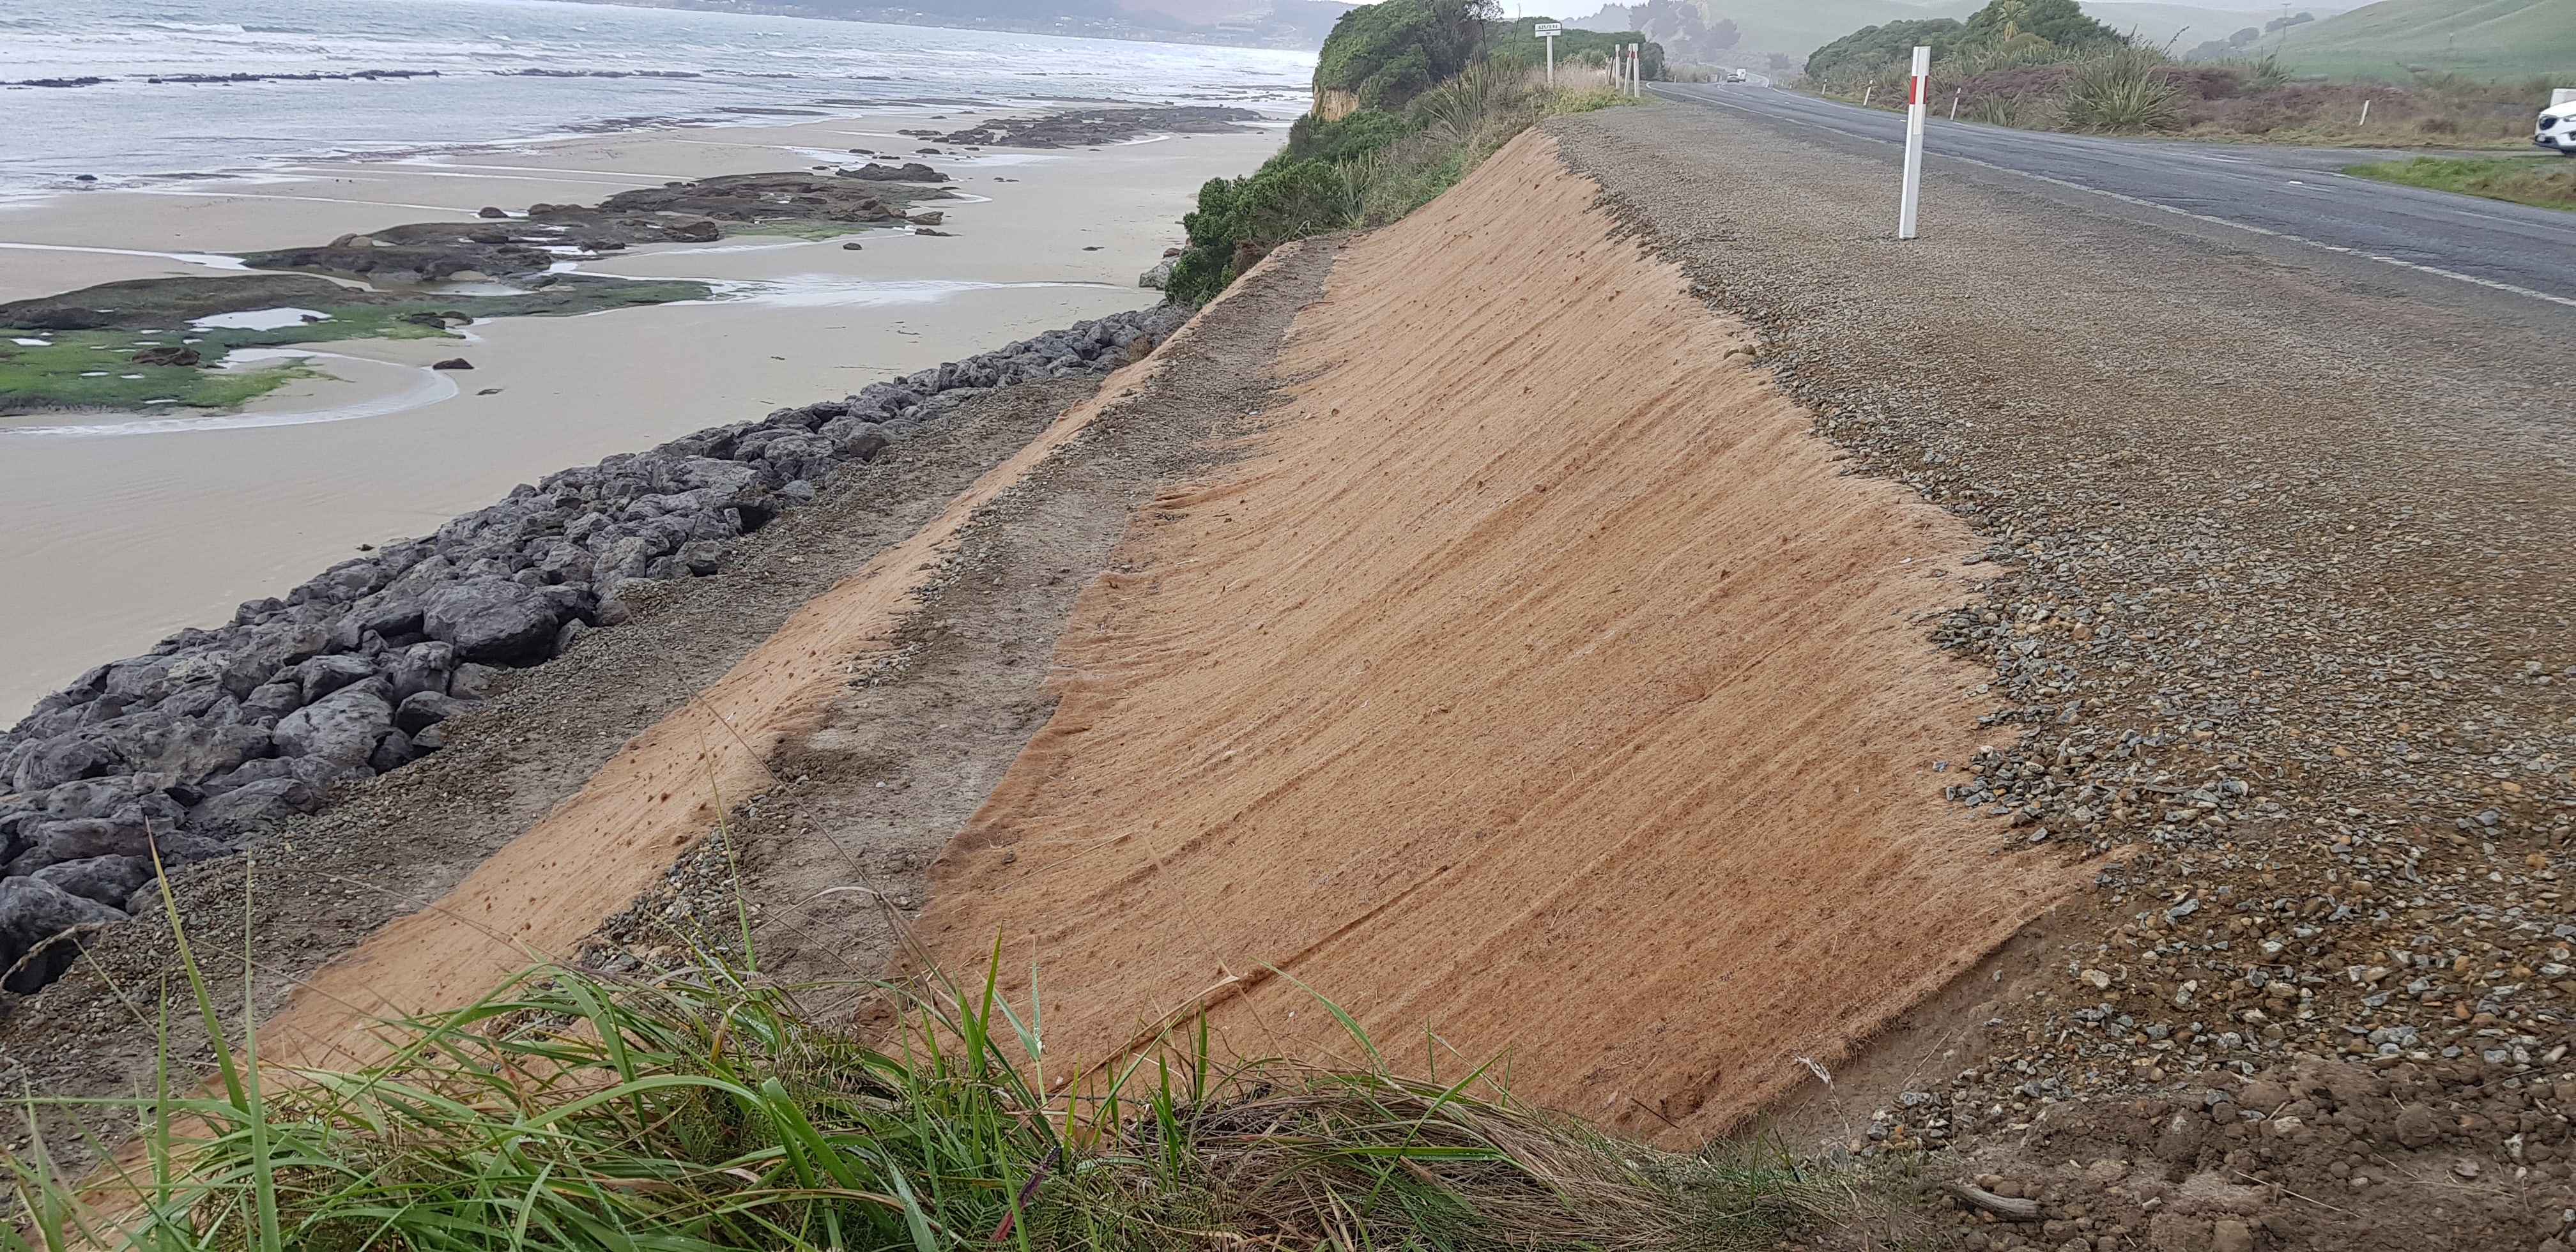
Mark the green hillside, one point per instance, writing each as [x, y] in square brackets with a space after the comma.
[2483, 38]
[1801, 28]
[2185, 25]
[1796, 29]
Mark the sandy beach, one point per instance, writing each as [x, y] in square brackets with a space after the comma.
[117, 538]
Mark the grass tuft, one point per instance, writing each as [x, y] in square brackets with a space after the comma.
[703, 1109]
[2121, 91]
[2546, 181]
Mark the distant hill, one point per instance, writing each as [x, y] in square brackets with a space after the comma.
[2186, 25]
[1794, 28]
[2483, 38]
[1799, 27]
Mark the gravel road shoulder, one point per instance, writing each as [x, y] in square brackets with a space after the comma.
[2281, 646]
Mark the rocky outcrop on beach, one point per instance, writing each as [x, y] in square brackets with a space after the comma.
[517, 248]
[834, 197]
[138, 302]
[908, 172]
[216, 736]
[1080, 128]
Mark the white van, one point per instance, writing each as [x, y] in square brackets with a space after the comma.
[2557, 126]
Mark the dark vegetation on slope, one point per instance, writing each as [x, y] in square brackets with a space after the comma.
[1410, 96]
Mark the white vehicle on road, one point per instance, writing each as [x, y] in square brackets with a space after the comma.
[2557, 126]
[1735, 76]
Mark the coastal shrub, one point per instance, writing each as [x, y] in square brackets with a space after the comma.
[1312, 139]
[2123, 91]
[1872, 48]
[2061, 23]
[2003, 34]
[1239, 220]
[1385, 54]
[1365, 168]
[1519, 41]
[1382, 169]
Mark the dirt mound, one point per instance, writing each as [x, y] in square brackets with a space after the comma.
[1542, 686]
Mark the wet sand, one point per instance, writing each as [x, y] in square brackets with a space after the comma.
[116, 540]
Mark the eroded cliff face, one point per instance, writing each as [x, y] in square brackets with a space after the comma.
[1332, 104]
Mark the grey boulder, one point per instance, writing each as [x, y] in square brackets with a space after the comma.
[93, 797]
[270, 701]
[126, 834]
[491, 619]
[342, 727]
[426, 709]
[253, 807]
[320, 676]
[270, 648]
[472, 681]
[32, 911]
[418, 668]
[106, 879]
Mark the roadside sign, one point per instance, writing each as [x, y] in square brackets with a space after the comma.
[1549, 31]
[1551, 28]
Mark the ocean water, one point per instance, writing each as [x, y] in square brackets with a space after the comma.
[509, 70]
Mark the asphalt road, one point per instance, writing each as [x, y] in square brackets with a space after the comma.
[2287, 193]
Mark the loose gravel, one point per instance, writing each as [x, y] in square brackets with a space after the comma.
[2278, 622]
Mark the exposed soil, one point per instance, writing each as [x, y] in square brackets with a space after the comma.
[1540, 683]
[2279, 651]
[844, 835]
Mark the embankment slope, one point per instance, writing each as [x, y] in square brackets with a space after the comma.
[1540, 683]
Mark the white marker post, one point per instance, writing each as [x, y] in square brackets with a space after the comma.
[1549, 31]
[1913, 194]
